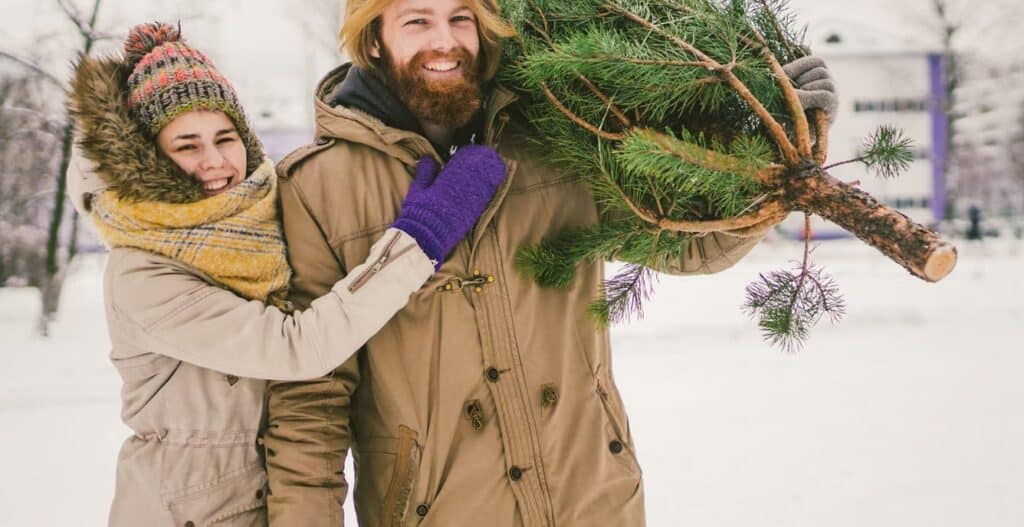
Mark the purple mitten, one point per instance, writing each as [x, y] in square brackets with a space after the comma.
[441, 208]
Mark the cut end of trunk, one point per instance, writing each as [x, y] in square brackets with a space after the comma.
[940, 263]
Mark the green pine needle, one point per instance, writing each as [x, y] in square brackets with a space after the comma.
[787, 304]
[552, 263]
[623, 295]
[888, 152]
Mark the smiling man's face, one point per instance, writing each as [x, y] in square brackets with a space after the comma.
[429, 51]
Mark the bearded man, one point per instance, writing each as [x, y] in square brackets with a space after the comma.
[487, 400]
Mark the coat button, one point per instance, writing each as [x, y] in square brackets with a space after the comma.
[515, 473]
[549, 396]
[190, 524]
[615, 446]
[259, 494]
[321, 141]
[493, 374]
[422, 510]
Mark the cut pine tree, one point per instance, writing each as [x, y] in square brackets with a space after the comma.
[681, 117]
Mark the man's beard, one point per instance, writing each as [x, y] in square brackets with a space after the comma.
[446, 103]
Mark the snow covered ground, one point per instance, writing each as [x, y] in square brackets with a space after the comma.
[908, 413]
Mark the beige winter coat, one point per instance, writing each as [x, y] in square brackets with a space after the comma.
[489, 402]
[193, 357]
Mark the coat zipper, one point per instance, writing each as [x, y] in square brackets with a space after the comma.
[384, 259]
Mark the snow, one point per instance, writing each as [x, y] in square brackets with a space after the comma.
[908, 413]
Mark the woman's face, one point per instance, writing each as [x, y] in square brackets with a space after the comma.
[206, 145]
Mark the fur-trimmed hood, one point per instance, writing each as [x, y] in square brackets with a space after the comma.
[122, 152]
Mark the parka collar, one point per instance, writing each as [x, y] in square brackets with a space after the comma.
[358, 126]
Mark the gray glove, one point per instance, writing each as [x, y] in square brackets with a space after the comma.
[814, 85]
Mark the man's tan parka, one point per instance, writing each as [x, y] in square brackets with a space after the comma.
[487, 400]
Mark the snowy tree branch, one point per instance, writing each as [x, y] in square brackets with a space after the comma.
[56, 81]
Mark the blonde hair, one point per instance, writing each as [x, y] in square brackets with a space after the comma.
[361, 31]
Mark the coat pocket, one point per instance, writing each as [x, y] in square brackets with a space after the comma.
[386, 468]
[237, 499]
[619, 426]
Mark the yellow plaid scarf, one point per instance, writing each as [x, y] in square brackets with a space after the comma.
[234, 238]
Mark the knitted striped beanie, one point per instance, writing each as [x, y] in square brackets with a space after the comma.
[169, 77]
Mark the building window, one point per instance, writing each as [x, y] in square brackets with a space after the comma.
[909, 202]
[891, 105]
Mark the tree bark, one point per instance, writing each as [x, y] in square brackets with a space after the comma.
[53, 244]
[73, 238]
[54, 266]
[913, 246]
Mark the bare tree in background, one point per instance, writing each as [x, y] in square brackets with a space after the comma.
[82, 18]
[1016, 154]
[29, 142]
[57, 254]
[965, 29]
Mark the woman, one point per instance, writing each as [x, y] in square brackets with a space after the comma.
[177, 185]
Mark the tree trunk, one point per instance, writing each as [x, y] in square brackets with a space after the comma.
[73, 239]
[913, 246]
[49, 292]
[54, 278]
[53, 244]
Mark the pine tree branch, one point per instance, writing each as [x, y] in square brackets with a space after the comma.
[543, 18]
[657, 193]
[771, 211]
[801, 127]
[794, 299]
[833, 305]
[747, 223]
[623, 296]
[53, 79]
[789, 152]
[640, 212]
[705, 60]
[807, 242]
[821, 128]
[778, 28]
[680, 7]
[703, 157]
[604, 59]
[847, 162]
[740, 226]
[577, 119]
[545, 34]
[606, 100]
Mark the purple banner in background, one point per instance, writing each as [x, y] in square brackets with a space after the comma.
[940, 133]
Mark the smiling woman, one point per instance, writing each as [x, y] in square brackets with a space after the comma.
[205, 145]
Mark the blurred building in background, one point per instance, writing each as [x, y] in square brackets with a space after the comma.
[971, 157]
[884, 79]
[988, 164]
